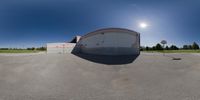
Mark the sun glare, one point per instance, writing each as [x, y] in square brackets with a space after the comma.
[143, 25]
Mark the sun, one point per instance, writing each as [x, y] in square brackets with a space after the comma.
[143, 25]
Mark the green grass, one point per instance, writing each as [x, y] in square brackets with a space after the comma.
[174, 51]
[18, 51]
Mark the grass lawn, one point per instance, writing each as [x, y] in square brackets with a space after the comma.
[18, 51]
[174, 51]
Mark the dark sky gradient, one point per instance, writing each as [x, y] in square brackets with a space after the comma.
[27, 23]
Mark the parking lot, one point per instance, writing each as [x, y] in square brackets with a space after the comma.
[151, 76]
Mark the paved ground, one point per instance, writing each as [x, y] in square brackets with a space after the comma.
[68, 77]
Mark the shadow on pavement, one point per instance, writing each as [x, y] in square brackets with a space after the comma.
[173, 58]
[110, 60]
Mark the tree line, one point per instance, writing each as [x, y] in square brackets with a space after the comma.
[158, 46]
[32, 48]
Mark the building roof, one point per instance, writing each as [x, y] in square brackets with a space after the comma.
[110, 30]
[75, 39]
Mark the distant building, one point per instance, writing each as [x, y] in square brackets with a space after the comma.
[108, 41]
[62, 47]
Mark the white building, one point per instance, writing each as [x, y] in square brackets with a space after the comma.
[62, 47]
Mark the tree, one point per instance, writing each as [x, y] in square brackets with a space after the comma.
[153, 48]
[147, 48]
[190, 46]
[44, 48]
[33, 48]
[29, 48]
[167, 48]
[173, 47]
[195, 46]
[4, 48]
[186, 47]
[158, 47]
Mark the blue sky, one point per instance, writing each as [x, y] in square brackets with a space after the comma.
[28, 23]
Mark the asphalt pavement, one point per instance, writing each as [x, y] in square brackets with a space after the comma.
[151, 76]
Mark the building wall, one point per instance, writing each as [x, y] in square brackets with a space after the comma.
[111, 43]
[60, 47]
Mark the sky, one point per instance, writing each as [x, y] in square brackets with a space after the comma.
[29, 23]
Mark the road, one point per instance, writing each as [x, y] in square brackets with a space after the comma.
[68, 77]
